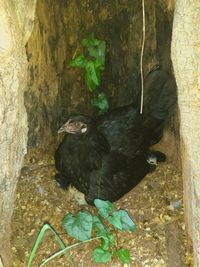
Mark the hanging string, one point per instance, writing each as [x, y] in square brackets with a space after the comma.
[141, 57]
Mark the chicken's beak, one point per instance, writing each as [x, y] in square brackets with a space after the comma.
[64, 127]
[61, 129]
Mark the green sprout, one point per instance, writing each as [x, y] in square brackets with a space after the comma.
[93, 65]
[86, 227]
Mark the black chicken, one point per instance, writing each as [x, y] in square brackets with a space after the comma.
[106, 157]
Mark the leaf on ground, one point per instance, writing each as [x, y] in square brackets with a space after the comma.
[115, 220]
[79, 227]
[121, 220]
[105, 207]
[127, 222]
[101, 255]
[99, 227]
[101, 230]
[124, 256]
[108, 241]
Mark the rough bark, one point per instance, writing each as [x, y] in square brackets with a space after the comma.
[186, 62]
[13, 119]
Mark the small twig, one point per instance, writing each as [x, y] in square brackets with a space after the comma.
[38, 167]
[141, 57]
[75, 52]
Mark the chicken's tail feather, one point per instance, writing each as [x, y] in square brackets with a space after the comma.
[159, 95]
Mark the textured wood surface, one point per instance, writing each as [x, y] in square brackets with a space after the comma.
[173, 245]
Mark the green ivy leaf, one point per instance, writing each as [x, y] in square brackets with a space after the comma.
[99, 227]
[101, 255]
[108, 241]
[79, 227]
[89, 42]
[96, 49]
[93, 67]
[89, 82]
[104, 207]
[92, 75]
[94, 52]
[78, 62]
[115, 220]
[124, 256]
[127, 222]
[101, 52]
[107, 238]
[98, 53]
[121, 220]
[101, 102]
[98, 65]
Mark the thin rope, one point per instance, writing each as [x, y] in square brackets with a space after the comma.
[141, 57]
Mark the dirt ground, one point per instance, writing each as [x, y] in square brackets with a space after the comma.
[155, 205]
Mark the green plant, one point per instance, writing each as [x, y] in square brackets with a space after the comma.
[86, 227]
[38, 241]
[93, 64]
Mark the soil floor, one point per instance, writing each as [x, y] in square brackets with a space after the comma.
[155, 205]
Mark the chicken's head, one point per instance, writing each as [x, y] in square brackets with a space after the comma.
[76, 124]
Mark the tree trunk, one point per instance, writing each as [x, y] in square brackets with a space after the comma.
[186, 62]
[14, 31]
